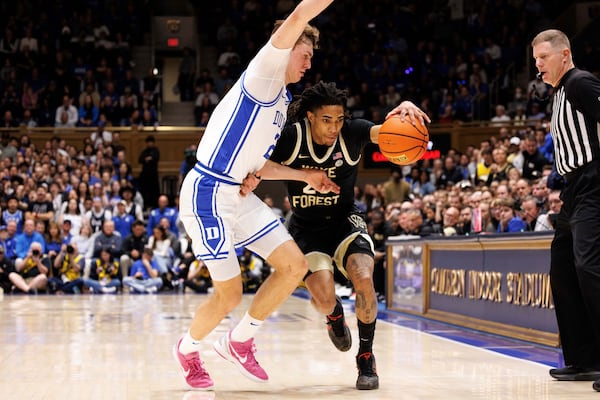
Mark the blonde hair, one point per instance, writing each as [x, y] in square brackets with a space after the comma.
[310, 34]
[555, 37]
[504, 202]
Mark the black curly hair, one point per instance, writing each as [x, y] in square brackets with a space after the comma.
[316, 96]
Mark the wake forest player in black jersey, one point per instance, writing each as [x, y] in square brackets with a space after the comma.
[329, 229]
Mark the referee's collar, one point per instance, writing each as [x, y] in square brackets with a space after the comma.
[564, 77]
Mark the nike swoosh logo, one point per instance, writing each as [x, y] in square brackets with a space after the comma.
[186, 372]
[303, 156]
[236, 355]
[253, 324]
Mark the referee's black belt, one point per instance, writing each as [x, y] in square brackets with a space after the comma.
[573, 175]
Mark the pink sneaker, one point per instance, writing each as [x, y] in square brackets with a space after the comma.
[191, 366]
[241, 354]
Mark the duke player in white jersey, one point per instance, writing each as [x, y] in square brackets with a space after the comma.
[238, 140]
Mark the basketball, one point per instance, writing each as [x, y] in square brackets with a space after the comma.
[402, 142]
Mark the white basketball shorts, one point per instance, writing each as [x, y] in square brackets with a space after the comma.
[220, 221]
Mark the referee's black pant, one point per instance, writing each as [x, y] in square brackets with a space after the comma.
[575, 268]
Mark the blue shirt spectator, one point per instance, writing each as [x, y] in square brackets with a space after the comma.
[138, 267]
[8, 233]
[88, 113]
[23, 241]
[547, 149]
[516, 224]
[163, 212]
[509, 222]
[144, 276]
[123, 220]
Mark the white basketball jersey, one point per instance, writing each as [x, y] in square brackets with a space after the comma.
[247, 122]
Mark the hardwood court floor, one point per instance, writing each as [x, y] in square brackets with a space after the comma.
[119, 347]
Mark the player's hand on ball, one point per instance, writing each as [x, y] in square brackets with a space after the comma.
[249, 183]
[319, 181]
[408, 110]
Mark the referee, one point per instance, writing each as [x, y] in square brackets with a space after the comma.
[575, 255]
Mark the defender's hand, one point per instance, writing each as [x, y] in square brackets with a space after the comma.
[249, 183]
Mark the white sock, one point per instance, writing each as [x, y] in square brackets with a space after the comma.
[246, 329]
[189, 344]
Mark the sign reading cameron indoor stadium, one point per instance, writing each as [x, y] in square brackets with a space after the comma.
[493, 282]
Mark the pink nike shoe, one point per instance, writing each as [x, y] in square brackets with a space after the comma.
[241, 354]
[191, 366]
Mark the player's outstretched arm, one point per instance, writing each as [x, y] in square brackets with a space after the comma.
[316, 178]
[289, 32]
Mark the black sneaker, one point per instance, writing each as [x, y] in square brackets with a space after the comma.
[596, 385]
[367, 372]
[338, 330]
[571, 373]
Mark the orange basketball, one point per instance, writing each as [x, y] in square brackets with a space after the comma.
[402, 142]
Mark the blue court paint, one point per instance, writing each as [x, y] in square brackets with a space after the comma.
[510, 347]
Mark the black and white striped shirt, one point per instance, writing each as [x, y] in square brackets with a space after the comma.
[575, 121]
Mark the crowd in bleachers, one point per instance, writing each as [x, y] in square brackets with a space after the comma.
[74, 219]
[73, 222]
[457, 60]
[76, 72]
[71, 216]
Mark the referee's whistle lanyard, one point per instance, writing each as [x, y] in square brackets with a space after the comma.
[536, 94]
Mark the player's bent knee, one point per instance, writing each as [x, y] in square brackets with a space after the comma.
[294, 268]
[363, 281]
[227, 295]
[324, 304]
[359, 265]
[300, 266]
[288, 259]
[228, 302]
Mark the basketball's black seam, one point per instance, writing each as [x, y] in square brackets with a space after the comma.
[406, 150]
[418, 130]
[405, 135]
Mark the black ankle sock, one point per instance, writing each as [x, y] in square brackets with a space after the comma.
[337, 311]
[366, 333]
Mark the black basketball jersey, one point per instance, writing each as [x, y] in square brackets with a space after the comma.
[132, 210]
[97, 220]
[296, 149]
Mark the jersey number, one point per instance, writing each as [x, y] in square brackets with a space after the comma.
[267, 155]
[309, 190]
